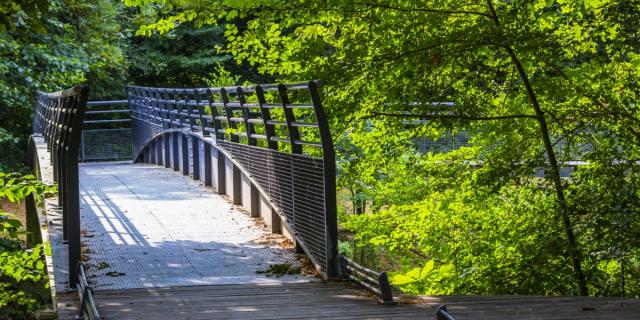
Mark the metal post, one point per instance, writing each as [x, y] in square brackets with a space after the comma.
[195, 153]
[237, 185]
[294, 134]
[207, 165]
[222, 175]
[329, 162]
[185, 154]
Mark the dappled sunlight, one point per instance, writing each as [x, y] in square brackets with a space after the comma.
[133, 239]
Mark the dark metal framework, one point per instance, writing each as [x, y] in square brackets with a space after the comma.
[88, 310]
[443, 314]
[106, 132]
[58, 119]
[277, 136]
[375, 282]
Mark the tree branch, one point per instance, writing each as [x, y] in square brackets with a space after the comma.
[441, 11]
[452, 116]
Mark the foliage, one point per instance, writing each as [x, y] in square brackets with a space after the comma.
[183, 58]
[536, 84]
[61, 44]
[23, 277]
[24, 10]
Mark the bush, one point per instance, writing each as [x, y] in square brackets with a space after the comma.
[23, 277]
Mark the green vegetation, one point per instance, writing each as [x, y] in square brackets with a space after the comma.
[23, 276]
[51, 46]
[536, 84]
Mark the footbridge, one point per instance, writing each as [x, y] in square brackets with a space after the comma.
[223, 208]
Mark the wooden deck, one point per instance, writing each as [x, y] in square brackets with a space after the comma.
[335, 301]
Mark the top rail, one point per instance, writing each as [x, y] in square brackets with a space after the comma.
[58, 118]
[375, 282]
[107, 103]
[295, 169]
[98, 112]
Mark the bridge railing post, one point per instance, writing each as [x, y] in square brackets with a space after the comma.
[290, 177]
[61, 127]
[329, 173]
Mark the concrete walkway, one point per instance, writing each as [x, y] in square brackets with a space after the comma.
[146, 226]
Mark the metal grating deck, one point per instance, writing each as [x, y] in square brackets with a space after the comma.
[146, 226]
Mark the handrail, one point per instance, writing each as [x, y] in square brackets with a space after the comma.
[58, 118]
[88, 310]
[106, 132]
[107, 103]
[443, 314]
[289, 165]
[96, 109]
[375, 282]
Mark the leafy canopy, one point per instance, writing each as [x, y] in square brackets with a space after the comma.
[536, 84]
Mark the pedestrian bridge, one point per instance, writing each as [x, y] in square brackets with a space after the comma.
[225, 209]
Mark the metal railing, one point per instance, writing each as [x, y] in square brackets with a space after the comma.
[276, 136]
[443, 314]
[58, 120]
[375, 282]
[88, 310]
[106, 132]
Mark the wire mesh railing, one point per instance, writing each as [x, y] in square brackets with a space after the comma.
[58, 120]
[106, 132]
[276, 135]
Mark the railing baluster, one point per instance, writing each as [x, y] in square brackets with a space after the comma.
[297, 188]
[229, 114]
[187, 100]
[294, 134]
[64, 125]
[248, 127]
[266, 117]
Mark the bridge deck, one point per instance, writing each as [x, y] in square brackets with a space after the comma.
[316, 300]
[159, 249]
[146, 226]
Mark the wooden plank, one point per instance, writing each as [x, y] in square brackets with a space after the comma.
[316, 300]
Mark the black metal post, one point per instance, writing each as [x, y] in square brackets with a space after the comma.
[329, 161]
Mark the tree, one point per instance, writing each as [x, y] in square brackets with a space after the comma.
[537, 83]
[61, 44]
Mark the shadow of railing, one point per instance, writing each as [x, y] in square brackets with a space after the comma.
[131, 240]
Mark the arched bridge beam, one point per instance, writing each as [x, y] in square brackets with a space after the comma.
[271, 155]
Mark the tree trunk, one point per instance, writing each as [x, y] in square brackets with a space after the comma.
[553, 171]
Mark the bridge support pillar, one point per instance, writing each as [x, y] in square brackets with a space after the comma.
[249, 195]
[221, 176]
[195, 153]
[185, 154]
[207, 165]
[175, 152]
[72, 206]
[270, 217]
[255, 201]
[166, 150]
[236, 185]
[233, 186]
